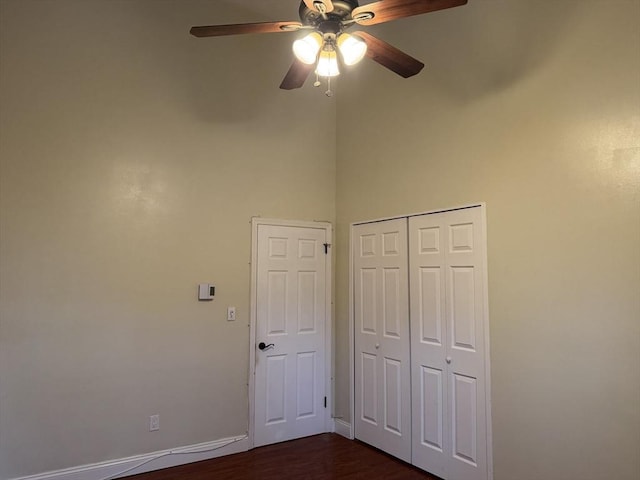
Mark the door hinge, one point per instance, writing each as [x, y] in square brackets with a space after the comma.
[325, 402]
[326, 248]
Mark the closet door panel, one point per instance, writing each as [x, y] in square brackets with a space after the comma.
[447, 340]
[431, 398]
[429, 376]
[369, 388]
[419, 327]
[381, 316]
[465, 311]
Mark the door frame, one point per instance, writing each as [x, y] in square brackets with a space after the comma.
[352, 392]
[327, 227]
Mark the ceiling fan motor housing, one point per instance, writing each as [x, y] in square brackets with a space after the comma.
[341, 11]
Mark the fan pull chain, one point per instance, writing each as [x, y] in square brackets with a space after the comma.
[317, 83]
[328, 93]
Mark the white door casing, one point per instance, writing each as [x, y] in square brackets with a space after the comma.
[289, 382]
[381, 332]
[447, 291]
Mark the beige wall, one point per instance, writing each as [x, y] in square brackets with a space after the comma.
[534, 108]
[133, 157]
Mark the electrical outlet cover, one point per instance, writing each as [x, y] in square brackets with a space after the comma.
[154, 423]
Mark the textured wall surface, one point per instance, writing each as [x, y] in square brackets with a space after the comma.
[533, 108]
[133, 157]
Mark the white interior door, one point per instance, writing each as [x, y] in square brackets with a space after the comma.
[291, 311]
[381, 328]
[447, 275]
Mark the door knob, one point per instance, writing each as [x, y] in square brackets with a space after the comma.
[264, 346]
[448, 359]
[377, 345]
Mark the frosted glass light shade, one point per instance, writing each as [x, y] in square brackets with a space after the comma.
[352, 48]
[328, 64]
[306, 49]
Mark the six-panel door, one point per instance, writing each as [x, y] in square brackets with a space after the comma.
[290, 321]
[446, 254]
[382, 399]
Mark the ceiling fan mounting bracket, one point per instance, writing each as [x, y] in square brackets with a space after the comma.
[341, 12]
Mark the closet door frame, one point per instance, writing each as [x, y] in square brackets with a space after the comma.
[483, 215]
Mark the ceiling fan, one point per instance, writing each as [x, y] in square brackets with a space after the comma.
[327, 22]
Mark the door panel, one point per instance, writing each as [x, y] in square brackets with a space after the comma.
[429, 338]
[276, 303]
[446, 255]
[463, 319]
[307, 314]
[368, 313]
[466, 311]
[290, 314]
[382, 337]
[464, 421]
[429, 302]
[432, 403]
[391, 302]
[305, 390]
[276, 388]
[369, 388]
[393, 395]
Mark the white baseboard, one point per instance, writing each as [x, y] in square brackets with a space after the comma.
[148, 462]
[343, 428]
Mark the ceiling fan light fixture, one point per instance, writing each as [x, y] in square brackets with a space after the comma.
[306, 49]
[327, 20]
[328, 63]
[352, 48]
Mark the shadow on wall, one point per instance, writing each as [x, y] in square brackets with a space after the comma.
[502, 42]
[234, 78]
[227, 79]
[505, 42]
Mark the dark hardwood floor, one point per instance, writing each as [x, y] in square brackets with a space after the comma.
[325, 456]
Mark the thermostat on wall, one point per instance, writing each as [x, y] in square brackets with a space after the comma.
[206, 291]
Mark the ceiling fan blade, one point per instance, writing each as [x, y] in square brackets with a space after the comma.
[296, 76]
[387, 10]
[389, 56]
[328, 5]
[240, 28]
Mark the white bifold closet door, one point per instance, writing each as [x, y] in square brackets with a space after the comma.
[381, 313]
[419, 331]
[447, 275]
